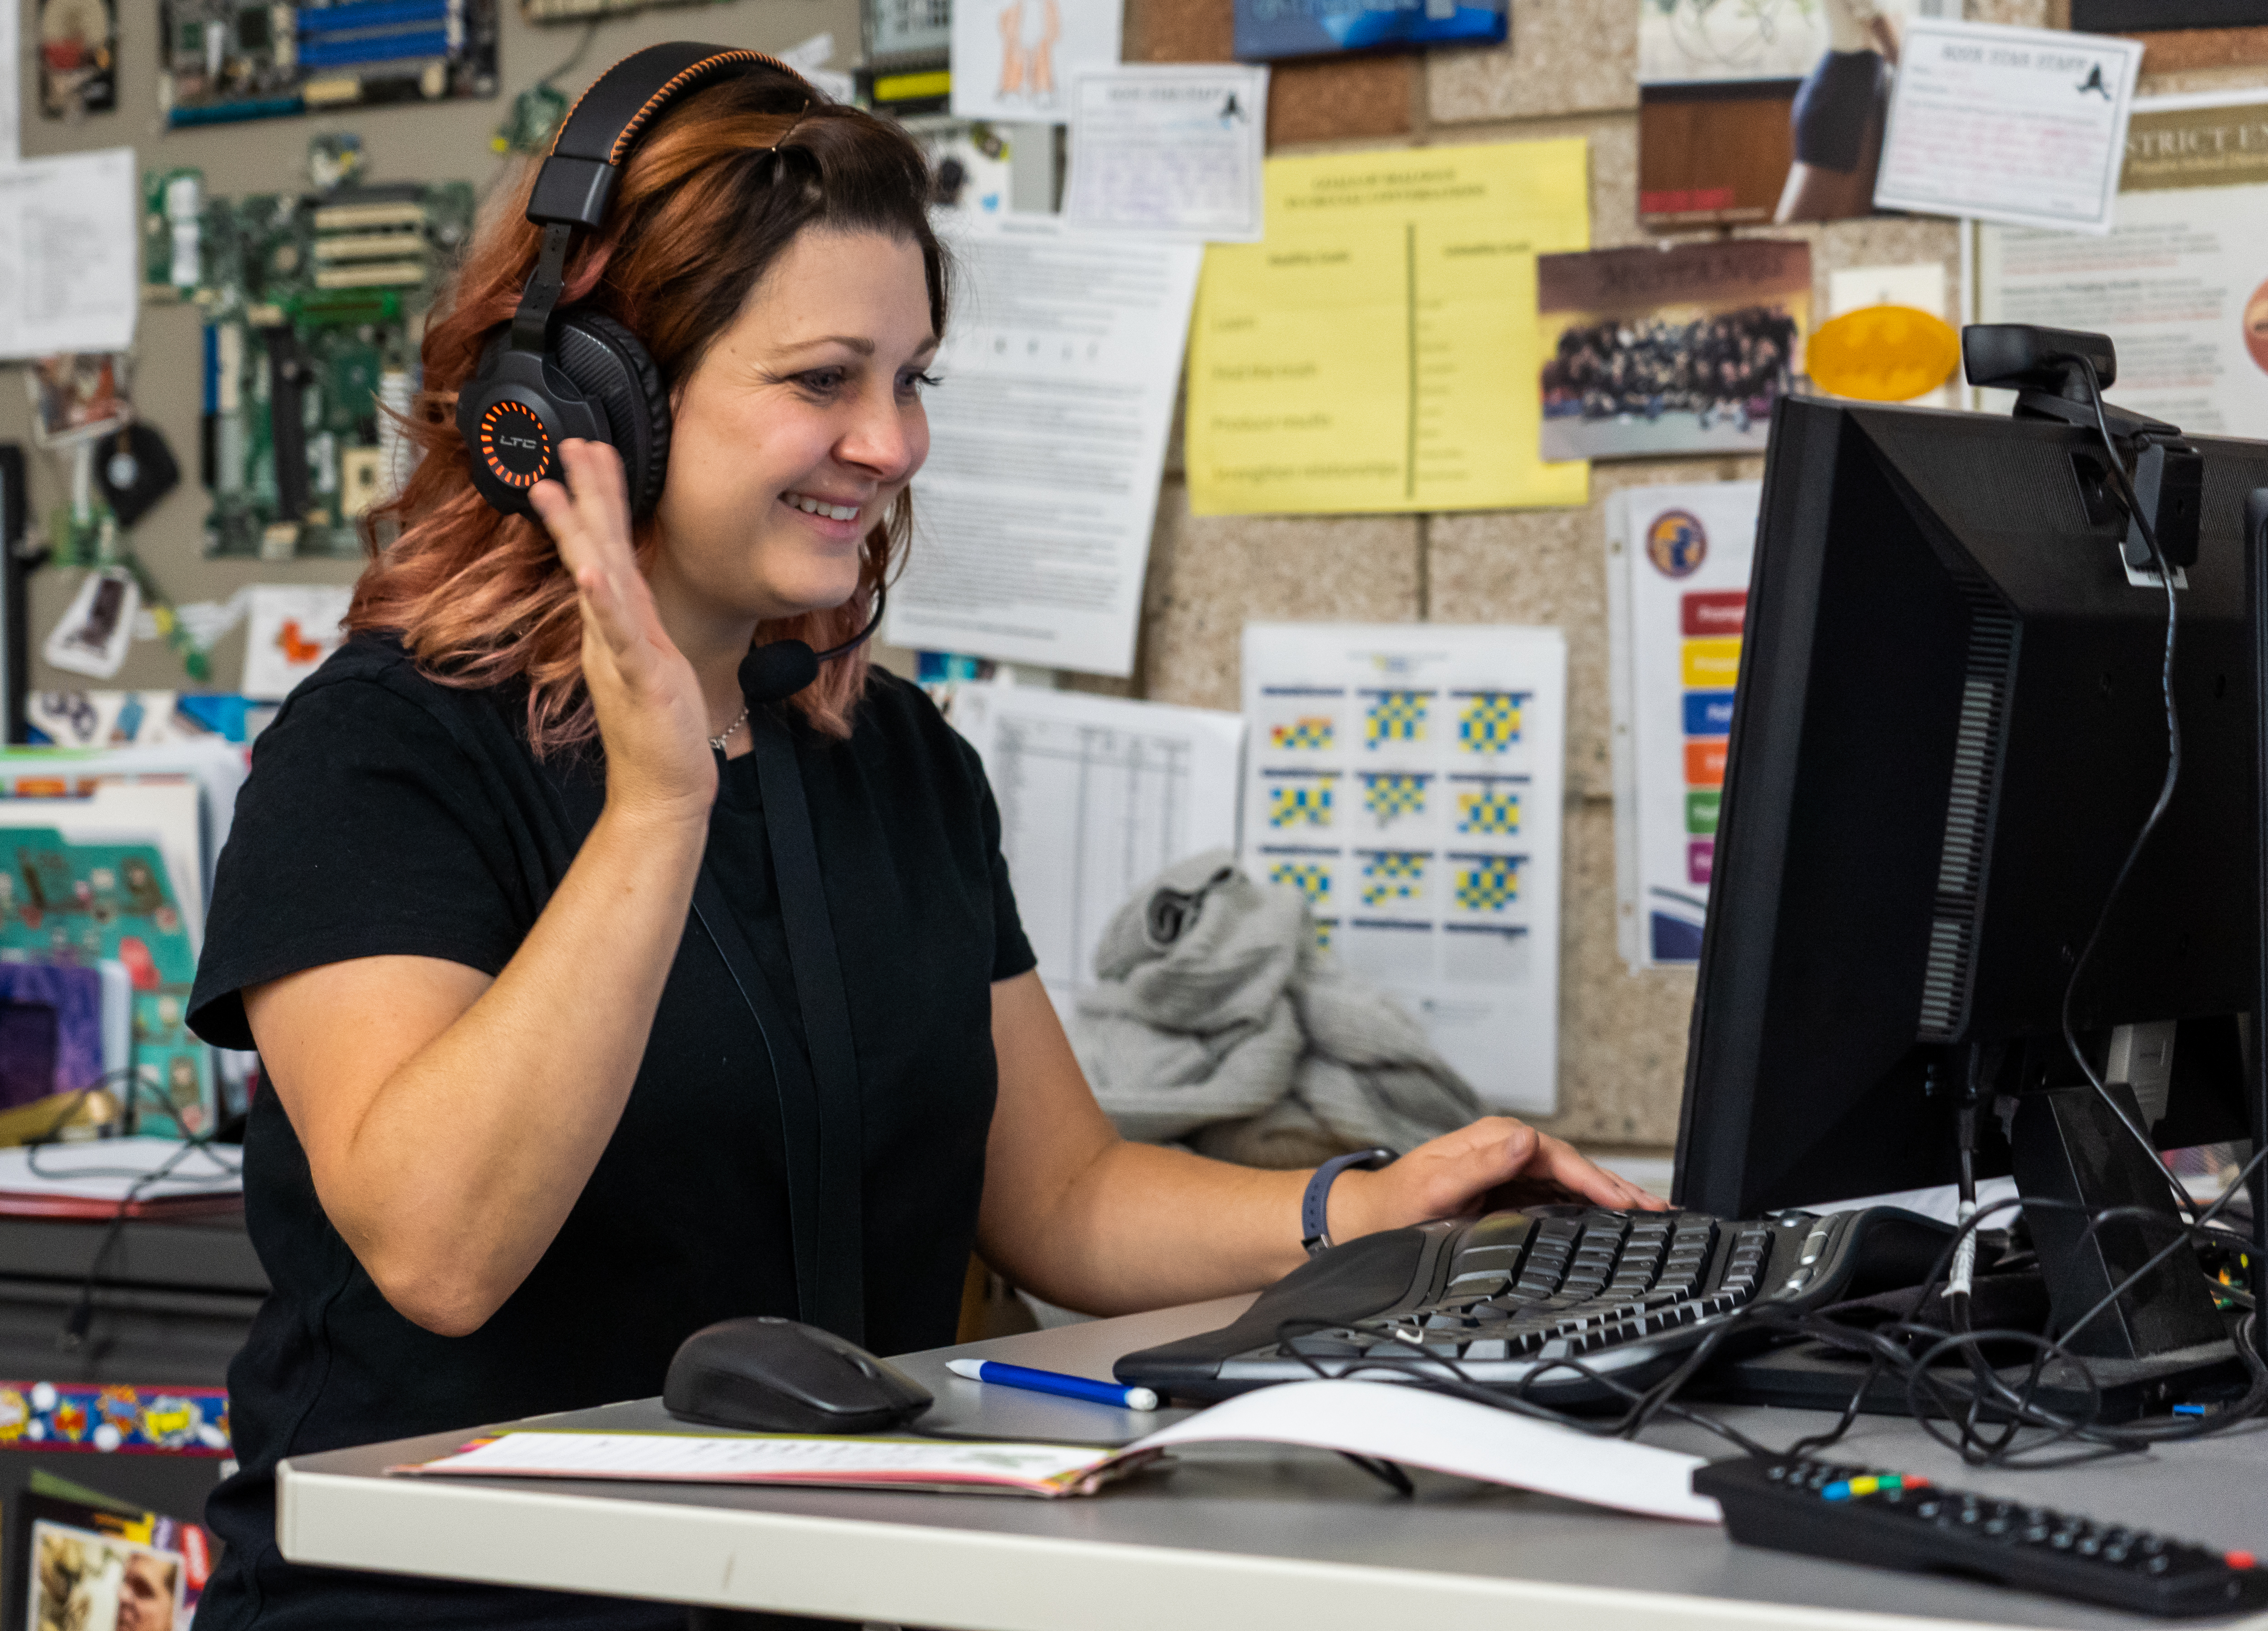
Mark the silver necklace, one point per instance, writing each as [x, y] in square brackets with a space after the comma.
[718, 741]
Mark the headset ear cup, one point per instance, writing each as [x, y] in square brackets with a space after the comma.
[609, 366]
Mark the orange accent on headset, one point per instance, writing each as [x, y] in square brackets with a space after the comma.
[653, 104]
[496, 466]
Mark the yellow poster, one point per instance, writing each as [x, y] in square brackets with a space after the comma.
[1378, 349]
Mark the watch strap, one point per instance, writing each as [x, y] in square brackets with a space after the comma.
[1315, 1206]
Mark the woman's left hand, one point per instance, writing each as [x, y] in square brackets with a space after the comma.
[1497, 1162]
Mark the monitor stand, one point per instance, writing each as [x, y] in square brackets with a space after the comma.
[2156, 1346]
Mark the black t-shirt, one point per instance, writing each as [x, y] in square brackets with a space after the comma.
[388, 814]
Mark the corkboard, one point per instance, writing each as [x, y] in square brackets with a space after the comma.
[1322, 100]
[2179, 50]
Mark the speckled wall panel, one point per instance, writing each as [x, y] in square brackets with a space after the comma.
[1622, 1036]
[1565, 56]
[1212, 574]
[1549, 566]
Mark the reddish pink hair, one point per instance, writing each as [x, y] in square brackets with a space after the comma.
[708, 200]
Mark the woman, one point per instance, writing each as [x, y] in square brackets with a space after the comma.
[520, 1136]
[1838, 115]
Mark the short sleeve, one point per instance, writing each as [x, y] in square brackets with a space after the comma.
[1011, 951]
[364, 830]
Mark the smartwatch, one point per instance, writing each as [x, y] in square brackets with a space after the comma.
[1315, 1234]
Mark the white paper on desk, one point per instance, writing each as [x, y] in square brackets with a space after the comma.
[1097, 794]
[1407, 779]
[2021, 125]
[69, 245]
[1170, 150]
[1032, 516]
[1413, 1428]
[773, 1458]
[110, 1170]
[1015, 59]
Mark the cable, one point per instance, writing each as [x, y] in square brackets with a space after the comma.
[2134, 507]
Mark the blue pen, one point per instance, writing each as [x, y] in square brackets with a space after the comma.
[1052, 1381]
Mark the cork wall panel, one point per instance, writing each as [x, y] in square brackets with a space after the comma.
[1565, 56]
[1212, 574]
[1622, 1036]
[1549, 566]
[1341, 99]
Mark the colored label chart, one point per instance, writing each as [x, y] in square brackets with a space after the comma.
[1709, 662]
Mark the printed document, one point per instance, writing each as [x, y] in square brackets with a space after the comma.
[1097, 795]
[2023, 125]
[2181, 285]
[1677, 593]
[1031, 517]
[1381, 1419]
[11, 107]
[1172, 152]
[1407, 779]
[1378, 349]
[70, 276]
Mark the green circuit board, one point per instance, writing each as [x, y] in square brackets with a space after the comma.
[314, 311]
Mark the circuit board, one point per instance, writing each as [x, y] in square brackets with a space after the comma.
[314, 311]
[226, 59]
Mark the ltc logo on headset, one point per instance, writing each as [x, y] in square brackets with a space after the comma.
[514, 443]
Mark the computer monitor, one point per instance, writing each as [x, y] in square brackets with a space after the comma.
[1948, 728]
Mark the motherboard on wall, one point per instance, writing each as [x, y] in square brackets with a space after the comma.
[314, 312]
[227, 59]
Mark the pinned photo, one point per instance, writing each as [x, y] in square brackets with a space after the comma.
[1655, 351]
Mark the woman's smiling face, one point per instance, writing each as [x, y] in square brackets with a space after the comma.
[795, 432]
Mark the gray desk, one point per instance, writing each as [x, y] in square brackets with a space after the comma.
[1246, 1537]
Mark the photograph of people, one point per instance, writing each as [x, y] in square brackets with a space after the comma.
[1839, 113]
[518, 1137]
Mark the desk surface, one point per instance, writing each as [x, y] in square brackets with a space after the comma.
[1251, 1536]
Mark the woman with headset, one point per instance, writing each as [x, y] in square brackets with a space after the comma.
[510, 905]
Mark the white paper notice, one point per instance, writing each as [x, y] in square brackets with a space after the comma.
[1032, 516]
[1677, 591]
[1097, 794]
[11, 108]
[2007, 124]
[290, 628]
[1016, 59]
[2181, 286]
[1407, 779]
[1171, 150]
[70, 237]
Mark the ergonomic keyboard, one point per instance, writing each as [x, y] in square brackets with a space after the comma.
[1510, 1296]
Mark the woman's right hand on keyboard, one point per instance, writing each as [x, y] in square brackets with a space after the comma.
[1494, 1163]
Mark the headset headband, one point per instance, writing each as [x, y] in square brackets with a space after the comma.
[578, 178]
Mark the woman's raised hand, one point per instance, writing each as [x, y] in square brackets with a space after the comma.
[652, 715]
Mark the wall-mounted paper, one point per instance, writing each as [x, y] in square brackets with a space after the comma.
[1378, 351]
[1407, 779]
[1031, 517]
[1675, 350]
[70, 237]
[1678, 595]
[2021, 125]
[1170, 151]
[289, 629]
[2181, 285]
[10, 112]
[1097, 794]
[1016, 59]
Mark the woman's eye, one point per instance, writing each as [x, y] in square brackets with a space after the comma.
[821, 380]
[914, 384]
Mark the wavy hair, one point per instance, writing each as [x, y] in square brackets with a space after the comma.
[708, 200]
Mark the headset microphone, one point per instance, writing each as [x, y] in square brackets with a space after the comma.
[779, 668]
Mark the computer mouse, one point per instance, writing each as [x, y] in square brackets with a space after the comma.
[769, 1375]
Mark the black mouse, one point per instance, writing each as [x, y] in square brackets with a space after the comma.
[769, 1375]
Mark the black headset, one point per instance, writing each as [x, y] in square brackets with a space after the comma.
[548, 374]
